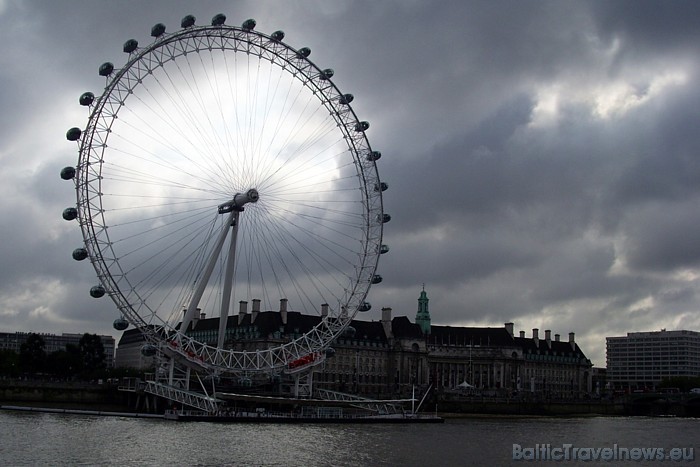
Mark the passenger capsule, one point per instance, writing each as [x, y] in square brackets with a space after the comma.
[382, 186]
[345, 99]
[349, 332]
[148, 350]
[106, 69]
[187, 21]
[249, 24]
[158, 30]
[374, 156]
[120, 324]
[376, 279]
[218, 20]
[277, 36]
[86, 98]
[97, 291]
[330, 352]
[365, 306]
[73, 134]
[327, 74]
[384, 218]
[130, 46]
[80, 254]
[70, 214]
[68, 173]
[304, 52]
[361, 126]
[383, 249]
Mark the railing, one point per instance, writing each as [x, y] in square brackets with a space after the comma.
[375, 405]
[188, 398]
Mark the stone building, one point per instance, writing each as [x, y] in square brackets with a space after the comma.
[389, 357]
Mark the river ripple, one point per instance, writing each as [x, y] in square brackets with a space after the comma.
[62, 439]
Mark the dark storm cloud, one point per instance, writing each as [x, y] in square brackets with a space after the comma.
[556, 206]
[664, 237]
[542, 157]
[649, 25]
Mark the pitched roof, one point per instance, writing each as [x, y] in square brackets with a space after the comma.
[401, 327]
[561, 348]
[465, 336]
[268, 322]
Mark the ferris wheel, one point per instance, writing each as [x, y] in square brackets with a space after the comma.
[221, 165]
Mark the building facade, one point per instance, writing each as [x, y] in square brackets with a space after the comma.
[391, 356]
[641, 360]
[129, 355]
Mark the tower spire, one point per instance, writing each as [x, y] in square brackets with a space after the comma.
[423, 315]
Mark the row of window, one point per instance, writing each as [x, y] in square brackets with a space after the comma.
[331, 377]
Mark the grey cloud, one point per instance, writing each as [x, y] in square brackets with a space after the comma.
[502, 219]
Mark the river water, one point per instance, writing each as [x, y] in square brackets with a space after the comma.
[30, 438]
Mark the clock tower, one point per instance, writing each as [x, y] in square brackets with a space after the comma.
[423, 315]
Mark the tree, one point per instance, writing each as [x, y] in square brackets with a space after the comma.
[92, 354]
[32, 354]
[683, 383]
[9, 363]
[65, 363]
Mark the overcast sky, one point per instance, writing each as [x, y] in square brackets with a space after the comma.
[543, 157]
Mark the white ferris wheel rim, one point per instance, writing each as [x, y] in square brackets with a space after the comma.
[101, 164]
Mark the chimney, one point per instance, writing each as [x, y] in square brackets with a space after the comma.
[255, 311]
[522, 334]
[242, 310]
[195, 320]
[572, 341]
[283, 310]
[556, 337]
[509, 328]
[324, 310]
[548, 337]
[535, 336]
[386, 322]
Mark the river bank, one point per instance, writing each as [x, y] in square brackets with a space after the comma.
[66, 395]
[544, 408]
[107, 397]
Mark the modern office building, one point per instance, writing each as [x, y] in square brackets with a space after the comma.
[53, 342]
[390, 356]
[643, 359]
[129, 355]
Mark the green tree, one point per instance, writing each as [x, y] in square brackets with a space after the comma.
[9, 363]
[683, 383]
[32, 354]
[92, 355]
[65, 363]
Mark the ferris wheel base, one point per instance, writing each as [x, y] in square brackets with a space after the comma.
[250, 408]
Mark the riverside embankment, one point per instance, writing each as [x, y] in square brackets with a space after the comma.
[107, 397]
[489, 406]
[63, 394]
